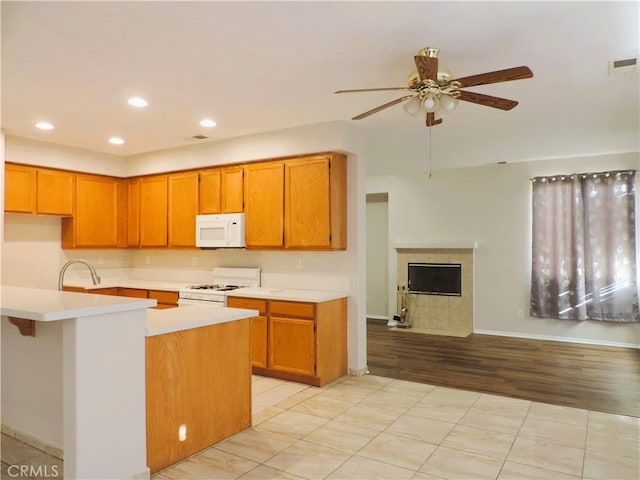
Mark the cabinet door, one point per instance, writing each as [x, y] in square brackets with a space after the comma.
[307, 203]
[95, 223]
[292, 345]
[264, 204]
[19, 189]
[54, 192]
[133, 212]
[183, 208]
[153, 211]
[209, 191]
[232, 190]
[258, 327]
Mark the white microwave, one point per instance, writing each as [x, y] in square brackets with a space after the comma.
[220, 231]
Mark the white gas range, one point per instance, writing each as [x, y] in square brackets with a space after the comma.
[224, 281]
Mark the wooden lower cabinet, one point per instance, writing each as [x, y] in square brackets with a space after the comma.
[292, 345]
[105, 291]
[258, 327]
[198, 389]
[300, 341]
[165, 299]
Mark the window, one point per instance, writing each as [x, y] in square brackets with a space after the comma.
[584, 247]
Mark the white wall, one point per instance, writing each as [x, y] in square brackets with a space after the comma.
[31, 152]
[377, 256]
[491, 205]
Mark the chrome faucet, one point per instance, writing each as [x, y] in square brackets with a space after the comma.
[95, 278]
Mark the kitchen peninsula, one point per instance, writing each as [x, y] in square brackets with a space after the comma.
[104, 406]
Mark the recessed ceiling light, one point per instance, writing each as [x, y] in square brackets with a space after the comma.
[44, 126]
[116, 141]
[207, 122]
[138, 102]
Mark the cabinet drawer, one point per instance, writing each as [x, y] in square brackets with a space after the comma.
[248, 303]
[169, 298]
[292, 309]
[132, 292]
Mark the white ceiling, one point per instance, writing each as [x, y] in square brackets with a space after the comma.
[255, 67]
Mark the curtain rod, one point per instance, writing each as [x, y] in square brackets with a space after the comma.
[584, 175]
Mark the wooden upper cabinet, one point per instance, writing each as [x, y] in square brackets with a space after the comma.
[183, 207]
[264, 204]
[153, 211]
[54, 192]
[19, 189]
[209, 192]
[132, 211]
[38, 190]
[315, 202]
[232, 191]
[96, 220]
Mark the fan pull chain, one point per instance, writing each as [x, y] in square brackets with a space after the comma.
[429, 151]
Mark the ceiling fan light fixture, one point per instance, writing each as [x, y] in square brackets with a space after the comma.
[412, 107]
[430, 103]
[448, 103]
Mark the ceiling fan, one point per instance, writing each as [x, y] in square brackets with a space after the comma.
[434, 91]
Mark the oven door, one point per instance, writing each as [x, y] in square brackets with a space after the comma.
[182, 302]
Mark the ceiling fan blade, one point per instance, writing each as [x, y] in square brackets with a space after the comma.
[382, 107]
[372, 89]
[431, 119]
[487, 100]
[427, 67]
[507, 75]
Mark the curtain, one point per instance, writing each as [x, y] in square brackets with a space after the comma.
[584, 247]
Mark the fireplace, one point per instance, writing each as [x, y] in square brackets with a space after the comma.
[439, 282]
[435, 278]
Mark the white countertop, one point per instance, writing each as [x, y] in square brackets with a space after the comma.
[192, 316]
[51, 305]
[294, 295]
[128, 283]
[269, 293]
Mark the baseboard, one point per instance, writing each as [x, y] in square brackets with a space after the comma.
[557, 339]
[33, 441]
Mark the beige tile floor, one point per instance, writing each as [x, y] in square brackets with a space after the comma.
[370, 428]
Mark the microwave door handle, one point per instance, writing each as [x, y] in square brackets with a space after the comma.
[226, 233]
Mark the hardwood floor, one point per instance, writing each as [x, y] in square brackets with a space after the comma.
[605, 379]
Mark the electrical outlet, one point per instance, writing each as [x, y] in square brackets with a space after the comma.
[194, 261]
[147, 259]
[298, 264]
[520, 313]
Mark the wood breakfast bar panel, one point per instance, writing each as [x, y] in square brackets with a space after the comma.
[198, 385]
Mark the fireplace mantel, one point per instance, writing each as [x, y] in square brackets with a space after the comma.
[436, 245]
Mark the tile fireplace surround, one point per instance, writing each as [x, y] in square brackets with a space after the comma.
[438, 314]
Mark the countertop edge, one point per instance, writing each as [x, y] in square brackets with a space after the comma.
[172, 320]
[55, 305]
